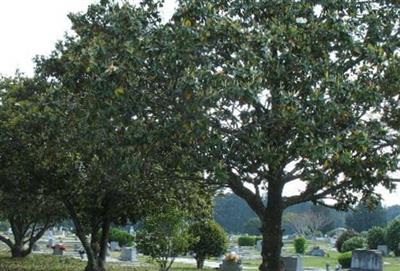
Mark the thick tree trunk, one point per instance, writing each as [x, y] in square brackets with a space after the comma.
[272, 231]
[200, 262]
[95, 264]
[18, 251]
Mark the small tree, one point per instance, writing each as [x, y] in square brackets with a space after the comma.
[300, 245]
[375, 237]
[392, 236]
[163, 237]
[209, 240]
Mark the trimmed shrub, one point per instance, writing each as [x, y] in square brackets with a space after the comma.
[122, 237]
[392, 236]
[353, 243]
[247, 241]
[375, 237]
[343, 238]
[344, 259]
[208, 240]
[300, 245]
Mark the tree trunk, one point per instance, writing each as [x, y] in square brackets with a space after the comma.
[272, 231]
[200, 262]
[95, 264]
[18, 251]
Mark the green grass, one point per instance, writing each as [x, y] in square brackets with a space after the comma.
[53, 263]
[56, 263]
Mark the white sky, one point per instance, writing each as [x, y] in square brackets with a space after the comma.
[29, 28]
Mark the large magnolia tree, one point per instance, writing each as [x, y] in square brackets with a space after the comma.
[296, 94]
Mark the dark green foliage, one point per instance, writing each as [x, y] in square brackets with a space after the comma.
[363, 217]
[122, 237]
[353, 243]
[344, 259]
[392, 236]
[300, 245]
[375, 237]
[246, 241]
[343, 238]
[24, 201]
[208, 240]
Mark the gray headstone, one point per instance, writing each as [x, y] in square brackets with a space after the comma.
[383, 249]
[36, 248]
[129, 254]
[114, 246]
[316, 251]
[293, 263]
[77, 247]
[259, 245]
[366, 260]
[50, 243]
[230, 266]
[58, 251]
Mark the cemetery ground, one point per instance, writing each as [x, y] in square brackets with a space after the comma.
[250, 260]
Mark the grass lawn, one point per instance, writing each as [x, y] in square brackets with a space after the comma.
[56, 263]
[38, 262]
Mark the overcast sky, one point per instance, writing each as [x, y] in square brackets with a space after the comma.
[29, 28]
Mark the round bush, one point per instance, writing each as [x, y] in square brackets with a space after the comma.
[300, 245]
[375, 237]
[343, 238]
[392, 236]
[353, 243]
[208, 240]
[344, 259]
[122, 237]
[247, 241]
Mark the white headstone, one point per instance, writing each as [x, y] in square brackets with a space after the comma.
[129, 254]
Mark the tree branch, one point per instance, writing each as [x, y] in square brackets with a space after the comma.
[7, 241]
[239, 189]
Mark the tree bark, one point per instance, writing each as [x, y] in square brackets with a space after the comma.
[18, 251]
[200, 262]
[272, 231]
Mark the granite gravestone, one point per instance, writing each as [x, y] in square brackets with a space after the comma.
[366, 260]
[129, 254]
